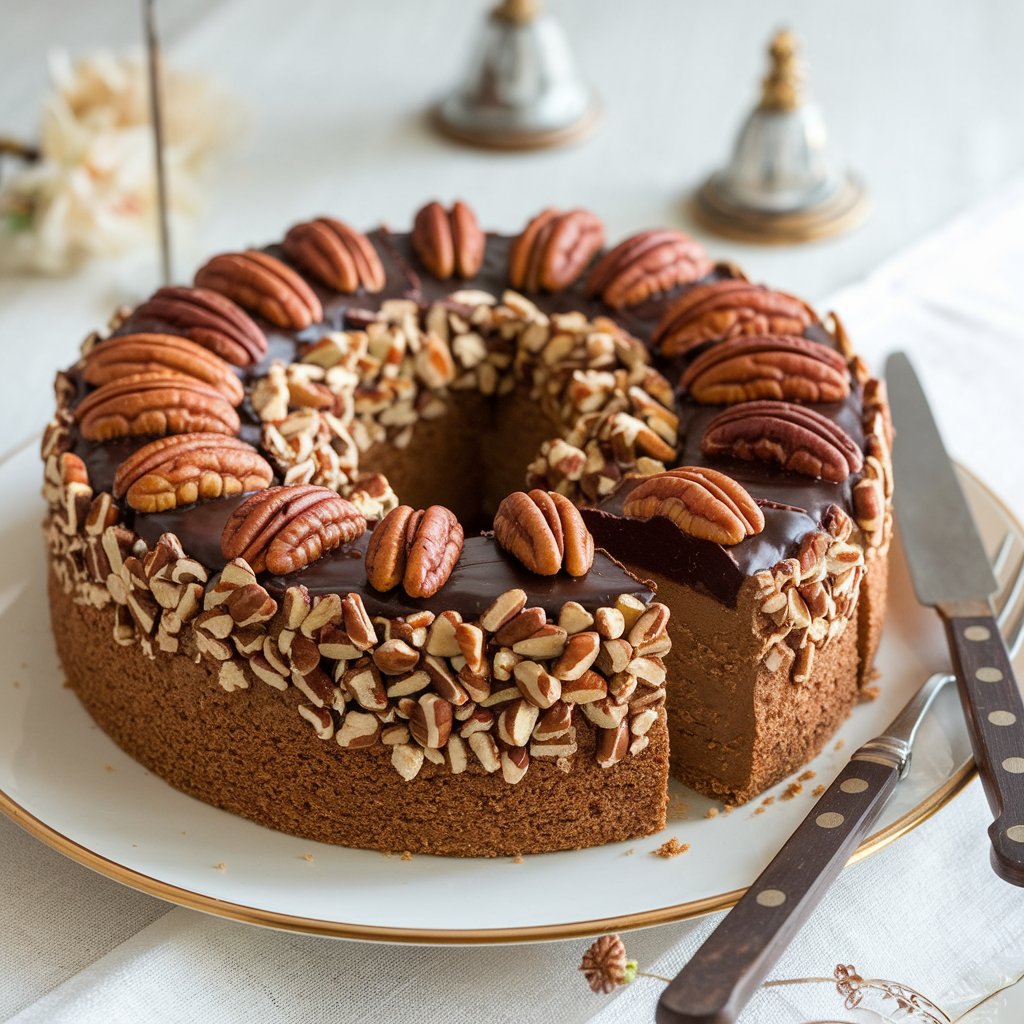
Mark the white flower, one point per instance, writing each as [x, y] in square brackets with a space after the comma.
[93, 192]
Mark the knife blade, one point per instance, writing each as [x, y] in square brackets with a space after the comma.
[950, 572]
[736, 957]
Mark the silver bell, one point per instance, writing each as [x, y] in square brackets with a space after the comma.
[523, 90]
[781, 184]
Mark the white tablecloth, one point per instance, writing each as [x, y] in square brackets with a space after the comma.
[928, 911]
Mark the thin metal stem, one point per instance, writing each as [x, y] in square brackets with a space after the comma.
[156, 120]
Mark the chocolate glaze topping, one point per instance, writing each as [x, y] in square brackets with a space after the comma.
[793, 505]
[483, 570]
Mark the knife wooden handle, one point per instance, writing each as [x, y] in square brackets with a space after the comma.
[995, 720]
[722, 975]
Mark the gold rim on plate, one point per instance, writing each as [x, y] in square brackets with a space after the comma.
[933, 803]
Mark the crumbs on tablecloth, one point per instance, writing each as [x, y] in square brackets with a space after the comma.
[406, 855]
[818, 789]
[308, 858]
[792, 790]
[670, 848]
[839, 745]
[868, 694]
[711, 812]
[221, 866]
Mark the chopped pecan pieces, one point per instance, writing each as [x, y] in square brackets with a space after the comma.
[701, 502]
[554, 250]
[336, 255]
[795, 438]
[647, 265]
[449, 242]
[417, 548]
[284, 529]
[767, 366]
[545, 531]
[207, 318]
[726, 309]
[155, 403]
[128, 354]
[258, 282]
[183, 468]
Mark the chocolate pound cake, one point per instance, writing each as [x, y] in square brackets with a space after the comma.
[462, 544]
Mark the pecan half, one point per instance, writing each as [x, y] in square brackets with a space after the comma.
[418, 549]
[545, 531]
[647, 265]
[184, 468]
[284, 529]
[434, 538]
[264, 285]
[336, 255]
[554, 250]
[449, 242]
[726, 309]
[701, 502]
[126, 354]
[208, 318]
[795, 438]
[780, 366]
[155, 403]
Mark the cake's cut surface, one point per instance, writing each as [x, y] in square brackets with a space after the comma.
[381, 555]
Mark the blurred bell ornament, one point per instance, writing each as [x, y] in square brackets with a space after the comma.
[522, 90]
[781, 184]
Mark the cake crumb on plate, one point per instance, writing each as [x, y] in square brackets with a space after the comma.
[221, 866]
[818, 789]
[868, 694]
[806, 776]
[670, 848]
[308, 858]
[406, 855]
[792, 790]
[711, 812]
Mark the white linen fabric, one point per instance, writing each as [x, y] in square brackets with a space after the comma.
[928, 911]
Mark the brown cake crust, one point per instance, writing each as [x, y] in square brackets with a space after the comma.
[249, 752]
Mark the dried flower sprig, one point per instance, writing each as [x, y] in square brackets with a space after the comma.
[854, 988]
[605, 966]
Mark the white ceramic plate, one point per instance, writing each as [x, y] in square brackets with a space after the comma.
[68, 784]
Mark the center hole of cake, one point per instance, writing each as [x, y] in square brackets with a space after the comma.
[469, 458]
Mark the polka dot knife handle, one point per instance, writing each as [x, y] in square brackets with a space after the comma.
[721, 977]
[995, 720]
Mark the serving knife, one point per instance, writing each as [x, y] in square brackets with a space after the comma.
[951, 573]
